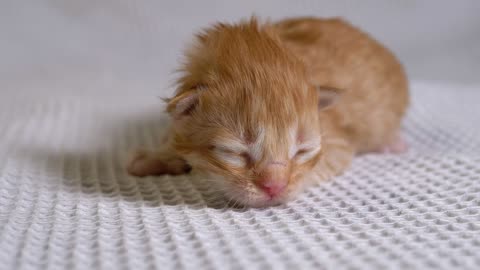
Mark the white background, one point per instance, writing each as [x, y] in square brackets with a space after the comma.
[119, 46]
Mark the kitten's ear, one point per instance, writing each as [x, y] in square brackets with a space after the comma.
[328, 96]
[183, 104]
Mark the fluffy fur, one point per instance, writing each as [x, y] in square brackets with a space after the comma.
[279, 105]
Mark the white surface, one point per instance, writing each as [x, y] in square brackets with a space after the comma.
[78, 87]
[67, 203]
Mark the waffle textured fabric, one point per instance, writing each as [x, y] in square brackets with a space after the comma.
[67, 203]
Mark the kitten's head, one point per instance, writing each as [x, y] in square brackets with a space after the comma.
[245, 114]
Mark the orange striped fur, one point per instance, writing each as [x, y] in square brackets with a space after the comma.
[290, 101]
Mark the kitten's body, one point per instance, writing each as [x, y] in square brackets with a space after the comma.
[368, 115]
[338, 55]
[246, 109]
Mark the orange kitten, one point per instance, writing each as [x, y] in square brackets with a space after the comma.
[264, 109]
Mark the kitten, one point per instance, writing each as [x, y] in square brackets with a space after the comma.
[265, 109]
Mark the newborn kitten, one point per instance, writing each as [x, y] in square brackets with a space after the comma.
[264, 109]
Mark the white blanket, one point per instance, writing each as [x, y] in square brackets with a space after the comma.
[66, 201]
[78, 89]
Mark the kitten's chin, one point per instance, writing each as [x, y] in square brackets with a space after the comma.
[249, 195]
[259, 199]
[267, 202]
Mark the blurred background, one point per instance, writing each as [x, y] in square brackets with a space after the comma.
[132, 47]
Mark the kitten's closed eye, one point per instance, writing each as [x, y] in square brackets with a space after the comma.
[302, 152]
[306, 153]
[231, 156]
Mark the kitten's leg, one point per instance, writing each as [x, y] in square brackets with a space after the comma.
[146, 163]
[161, 162]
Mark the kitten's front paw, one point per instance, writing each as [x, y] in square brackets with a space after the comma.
[146, 163]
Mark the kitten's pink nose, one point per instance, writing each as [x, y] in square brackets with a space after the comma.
[272, 180]
[272, 187]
